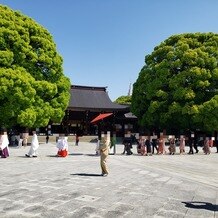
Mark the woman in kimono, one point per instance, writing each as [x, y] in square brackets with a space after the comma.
[161, 145]
[172, 147]
[25, 139]
[182, 145]
[148, 146]
[62, 146]
[206, 147]
[139, 146]
[143, 147]
[211, 142]
[4, 142]
[34, 146]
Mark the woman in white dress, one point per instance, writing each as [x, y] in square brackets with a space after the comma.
[34, 146]
[62, 145]
[4, 142]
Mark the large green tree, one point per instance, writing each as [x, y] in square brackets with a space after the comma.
[178, 86]
[124, 99]
[33, 88]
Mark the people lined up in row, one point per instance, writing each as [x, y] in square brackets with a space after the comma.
[18, 139]
[146, 146]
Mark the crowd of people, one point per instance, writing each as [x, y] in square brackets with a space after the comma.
[61, 144]
[171, 145]
[21, 140]
[145, 146]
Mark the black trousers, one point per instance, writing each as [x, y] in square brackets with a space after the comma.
[191, 149]
[154, 146]
[196, 147]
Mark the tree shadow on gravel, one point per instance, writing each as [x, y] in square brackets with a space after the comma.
[201, 205]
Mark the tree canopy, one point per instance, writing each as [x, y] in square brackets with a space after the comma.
[124, 99]
[178, 86]
[33, 88]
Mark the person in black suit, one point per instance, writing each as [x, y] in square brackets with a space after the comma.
[154, 145]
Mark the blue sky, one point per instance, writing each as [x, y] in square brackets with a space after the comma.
[104, 42]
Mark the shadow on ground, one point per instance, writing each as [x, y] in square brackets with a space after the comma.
[201, 205]
[75, 154]
[85, 174]
[54, 155]
[92, 155]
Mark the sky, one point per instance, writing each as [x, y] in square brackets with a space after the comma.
[104, 42]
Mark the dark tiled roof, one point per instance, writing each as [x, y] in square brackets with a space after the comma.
[93, 99]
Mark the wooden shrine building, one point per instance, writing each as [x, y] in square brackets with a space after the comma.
[91, 110]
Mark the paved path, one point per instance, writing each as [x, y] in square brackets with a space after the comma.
[137, 186]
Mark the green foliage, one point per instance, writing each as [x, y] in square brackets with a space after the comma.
[177, 87]
[124, 99]
[33, 88]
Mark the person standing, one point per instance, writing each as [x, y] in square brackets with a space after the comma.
[143, 147]
[25, 138]
[190, 144]
[34, 146]
[182, 145]
[13, 139]
[77, 140]
[211, 142]
[206, 147]
[62, 145]
[4, 142]
[148, 146]
[196, 145]
[47, 139]
[172, 147]
[161, 145]
[104, 151]
[20, 140]
[154, 145]
[139, 145]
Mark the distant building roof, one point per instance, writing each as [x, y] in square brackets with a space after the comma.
[130, 115]
[93, 99]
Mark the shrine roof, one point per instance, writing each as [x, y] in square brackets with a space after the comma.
[93, 99]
